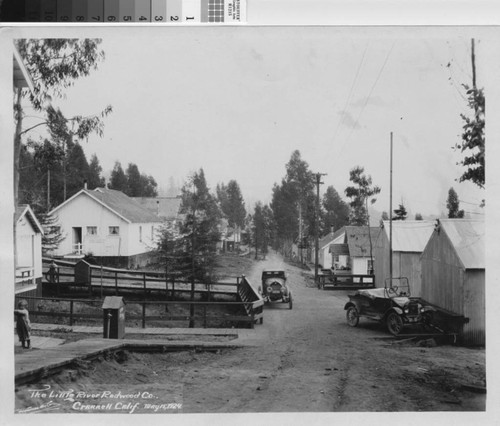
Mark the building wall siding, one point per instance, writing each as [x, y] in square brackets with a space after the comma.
[474, 308]
[445, 283]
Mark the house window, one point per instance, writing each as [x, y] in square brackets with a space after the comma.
[140, 234]
[369, 266]
[91, 230]
[114, 230]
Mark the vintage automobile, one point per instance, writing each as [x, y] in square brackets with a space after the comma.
[391, 305]
[274, 287]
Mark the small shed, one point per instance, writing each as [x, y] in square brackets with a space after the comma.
[453, 274]
[409, 238]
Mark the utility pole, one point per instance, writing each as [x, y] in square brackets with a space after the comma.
[390, 223]
[473, 60]
[316, 223]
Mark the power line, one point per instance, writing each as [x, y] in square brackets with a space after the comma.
[350, 91]
[369, 96]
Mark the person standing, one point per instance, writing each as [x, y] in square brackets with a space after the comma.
[23, 325]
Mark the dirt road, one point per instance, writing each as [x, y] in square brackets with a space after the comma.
[308, 360]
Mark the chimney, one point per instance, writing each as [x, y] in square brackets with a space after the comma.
[332, 229]
[85, 184]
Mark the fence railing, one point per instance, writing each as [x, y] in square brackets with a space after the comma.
[345, 281]
[202, 311]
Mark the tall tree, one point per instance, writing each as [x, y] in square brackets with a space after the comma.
[148, 186]
[360, 194]
[118, 180]
[335, 211]
[54, 65]
[400, 213]
[95, 180]
[201, 226]
[261, 228]
[47, 159]
[77, 169]
[134, 183]
[232, 204]
[453, 205]
[293, 204]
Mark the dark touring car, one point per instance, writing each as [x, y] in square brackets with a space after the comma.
[390, 305]
[274, 287]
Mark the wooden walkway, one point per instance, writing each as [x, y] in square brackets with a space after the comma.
[163, 331]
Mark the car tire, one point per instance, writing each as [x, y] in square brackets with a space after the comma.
[352, 316]
[394, 323]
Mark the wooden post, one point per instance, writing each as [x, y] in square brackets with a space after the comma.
[58, 280]
[143, 314]
[252, 315]
[144, 284]
[204, 316]
[90, 281]
[71, 312]
[116, 283]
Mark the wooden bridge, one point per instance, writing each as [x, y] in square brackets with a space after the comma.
[81, 286]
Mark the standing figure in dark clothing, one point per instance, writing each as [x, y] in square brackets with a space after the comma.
[23, 326]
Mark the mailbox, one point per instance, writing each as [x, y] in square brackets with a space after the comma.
[113, 310]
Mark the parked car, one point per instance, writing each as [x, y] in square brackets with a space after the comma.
[274, 287]
[391, 305]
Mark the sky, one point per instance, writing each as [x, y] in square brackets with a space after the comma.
[238, 101]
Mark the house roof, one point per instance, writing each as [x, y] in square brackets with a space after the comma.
[409, 235]
[327, 239]
[22, 77]
[339, 249]
[164, 207]
[24, 210]
[358, 240]
[468, 239]
[118, 203]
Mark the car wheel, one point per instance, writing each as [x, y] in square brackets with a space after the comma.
[394, 323]
[290, 302]
[352, 316]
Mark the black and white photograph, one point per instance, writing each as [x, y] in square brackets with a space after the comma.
[286, 222]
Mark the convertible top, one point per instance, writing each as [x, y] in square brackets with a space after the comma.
[373, 293]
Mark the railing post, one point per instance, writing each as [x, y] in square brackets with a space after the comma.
[71, 312]
[144, 284]
[116, 283]
[58, 281]
[143, 314]
[204, 316]
[252, 315]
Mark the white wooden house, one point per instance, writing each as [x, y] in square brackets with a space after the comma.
[409, 238]
[325, 258]
[107, 225]
[354, 251]
[453, 274]
[28, 253]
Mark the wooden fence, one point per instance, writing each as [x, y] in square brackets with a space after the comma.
[345, 281]
[69, 311]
